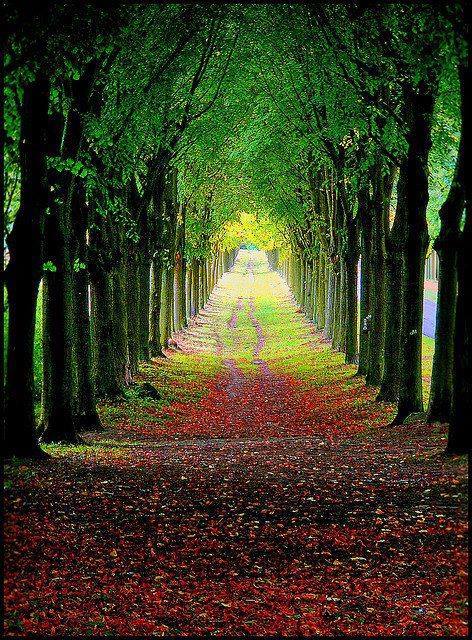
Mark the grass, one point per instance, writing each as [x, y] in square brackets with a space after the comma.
[427, 365]
[430, 295]
[129, 498]
[289, 348]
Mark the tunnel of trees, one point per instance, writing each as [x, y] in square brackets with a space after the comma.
[135, 136]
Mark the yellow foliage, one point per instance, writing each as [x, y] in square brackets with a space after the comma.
[252, 229]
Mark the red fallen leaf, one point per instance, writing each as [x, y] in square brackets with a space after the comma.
[278, 453]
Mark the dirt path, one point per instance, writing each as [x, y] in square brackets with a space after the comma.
[260, 496]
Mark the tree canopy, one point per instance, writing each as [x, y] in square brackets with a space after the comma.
[165, 135]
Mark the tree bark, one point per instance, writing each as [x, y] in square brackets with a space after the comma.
[389, 387]
[328, 328]
[315, 273]
[195, 289]
[120, 324]
[133, 308]
[166, 306]
[351, 310]
[303, 283]
[144, 267]
[155, 346]
[107, 382]
[204, 282]
[350, 262]
[337, 309]
[365, 220]
[321, 292]
[87, 415]
[188, 292]
[200, 285]
[63, 401]
[461, 410]
[459, 428]
[446, 244]
[23, 273]
[342, 306]
[59, 402]
[377, 285]
[416, 242]
[59, 396]
[178, 287]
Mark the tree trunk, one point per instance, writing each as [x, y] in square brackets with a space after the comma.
[321, 292]
[419, 143]
[439, 409]
[307, 290]
[328, 329]
[377, 283]
[195, 289]
[204, 282]
[337, 310]
[351, 310]
[144, 298]
[133, 308]
[199, 285]
[23, 273]
[446, 243]
[59, 397]
[62, 402]
[166, 305]
[188, 292]
[315, 271]
[178, 288]
[155, 346]
[365, 219]
[120, 324]
[183, 294]
[303, 279]
[350, 315]
[461, 410]
[59, 402]
[459, 428]
[389, 387]
[342, 306]
[87, 416]
[107, 382]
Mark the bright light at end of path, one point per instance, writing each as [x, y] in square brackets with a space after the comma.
[248, 265]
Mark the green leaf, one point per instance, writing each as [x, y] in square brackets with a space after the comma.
[49, 266]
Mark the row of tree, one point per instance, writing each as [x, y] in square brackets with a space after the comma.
[386, 123]
[97, 221]
[135, 136]
[113, 291]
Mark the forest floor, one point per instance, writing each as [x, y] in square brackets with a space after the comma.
[261, 494]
